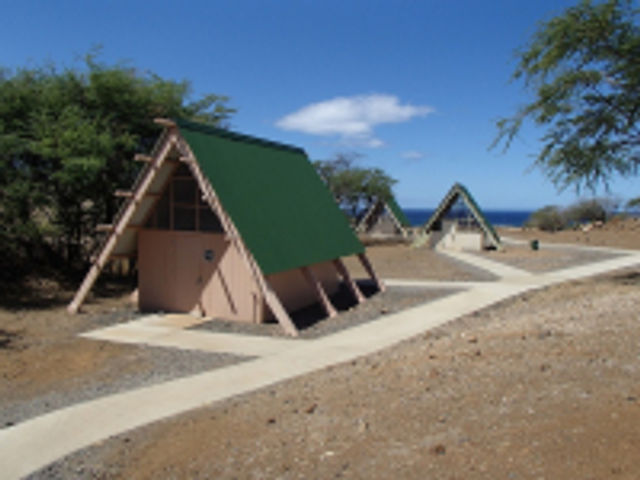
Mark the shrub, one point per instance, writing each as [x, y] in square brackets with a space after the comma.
[549, 219]
[586, 211]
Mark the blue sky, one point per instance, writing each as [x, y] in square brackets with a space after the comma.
[414, 87]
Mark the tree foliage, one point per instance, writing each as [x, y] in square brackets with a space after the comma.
[354, 188]
[634, 204]
[584, 70]
[67, 138]
[552, 218]
[548, 219]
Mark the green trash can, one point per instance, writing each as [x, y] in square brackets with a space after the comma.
[535, 244]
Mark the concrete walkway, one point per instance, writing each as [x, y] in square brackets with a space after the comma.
[33, 444]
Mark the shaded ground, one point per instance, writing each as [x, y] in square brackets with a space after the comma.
[541, 386]
[615, 233]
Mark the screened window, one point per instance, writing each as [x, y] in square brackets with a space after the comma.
[181, 206]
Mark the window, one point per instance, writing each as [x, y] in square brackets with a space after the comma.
[181, 206]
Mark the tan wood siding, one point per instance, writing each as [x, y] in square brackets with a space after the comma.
[195, 271]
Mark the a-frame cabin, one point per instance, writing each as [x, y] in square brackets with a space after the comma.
[229, 226]
[459, 224]
[384, 219]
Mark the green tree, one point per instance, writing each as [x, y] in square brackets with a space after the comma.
[67, 138]
[634, 204]
[583, 69]
[354, 188]
[549, 219]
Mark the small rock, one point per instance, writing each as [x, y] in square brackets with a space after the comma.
[631, 398]
[544, 367]
[473, 340]
[439, 449]
[545, 334]
[311, 408]
[363, 426]
[271, 421]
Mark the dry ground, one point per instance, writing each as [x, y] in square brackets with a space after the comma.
[542, 386]
[545, 259]
[41, 353]
[403, 261]
[45, 365]
[616, 233]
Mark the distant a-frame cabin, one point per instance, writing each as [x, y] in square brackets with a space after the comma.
[229, 226]
[459, 224]
[384, 219]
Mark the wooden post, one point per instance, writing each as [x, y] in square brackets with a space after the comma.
[273, 302]
[121, 224]
[346, 278]
[367, 266]
[322, 295]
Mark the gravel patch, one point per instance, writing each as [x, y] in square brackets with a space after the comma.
[419, 263]
[313, 322]
[545, 259]
[159, 365]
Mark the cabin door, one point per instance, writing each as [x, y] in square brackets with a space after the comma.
[188, 282]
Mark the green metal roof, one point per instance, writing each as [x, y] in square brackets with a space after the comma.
[459, 190]
[285, 214]
[397, 211]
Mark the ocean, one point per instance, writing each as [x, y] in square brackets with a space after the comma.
[498, 218]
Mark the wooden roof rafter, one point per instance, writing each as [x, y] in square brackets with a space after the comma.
[161, 150]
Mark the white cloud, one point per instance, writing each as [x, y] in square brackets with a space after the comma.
[413, 155]
[352, 118]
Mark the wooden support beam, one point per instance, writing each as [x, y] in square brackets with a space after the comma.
[165, 122]
[123, 193]
[274, 304]
[141, 157]
[123, 219]
[104, 227]
[346, 278]
[367, 266]
[322, 295]
[117, 256]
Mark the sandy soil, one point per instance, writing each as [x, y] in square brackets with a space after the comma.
[541, 386]
[616, 233]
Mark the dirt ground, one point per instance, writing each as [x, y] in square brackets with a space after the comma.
[615, 233]
[541, 386]
[39, 347]
[406, 262]
[545, 259]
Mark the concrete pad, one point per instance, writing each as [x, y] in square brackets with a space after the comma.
[499, 269]
[246, 345]
[174, 320]
[433, 284]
